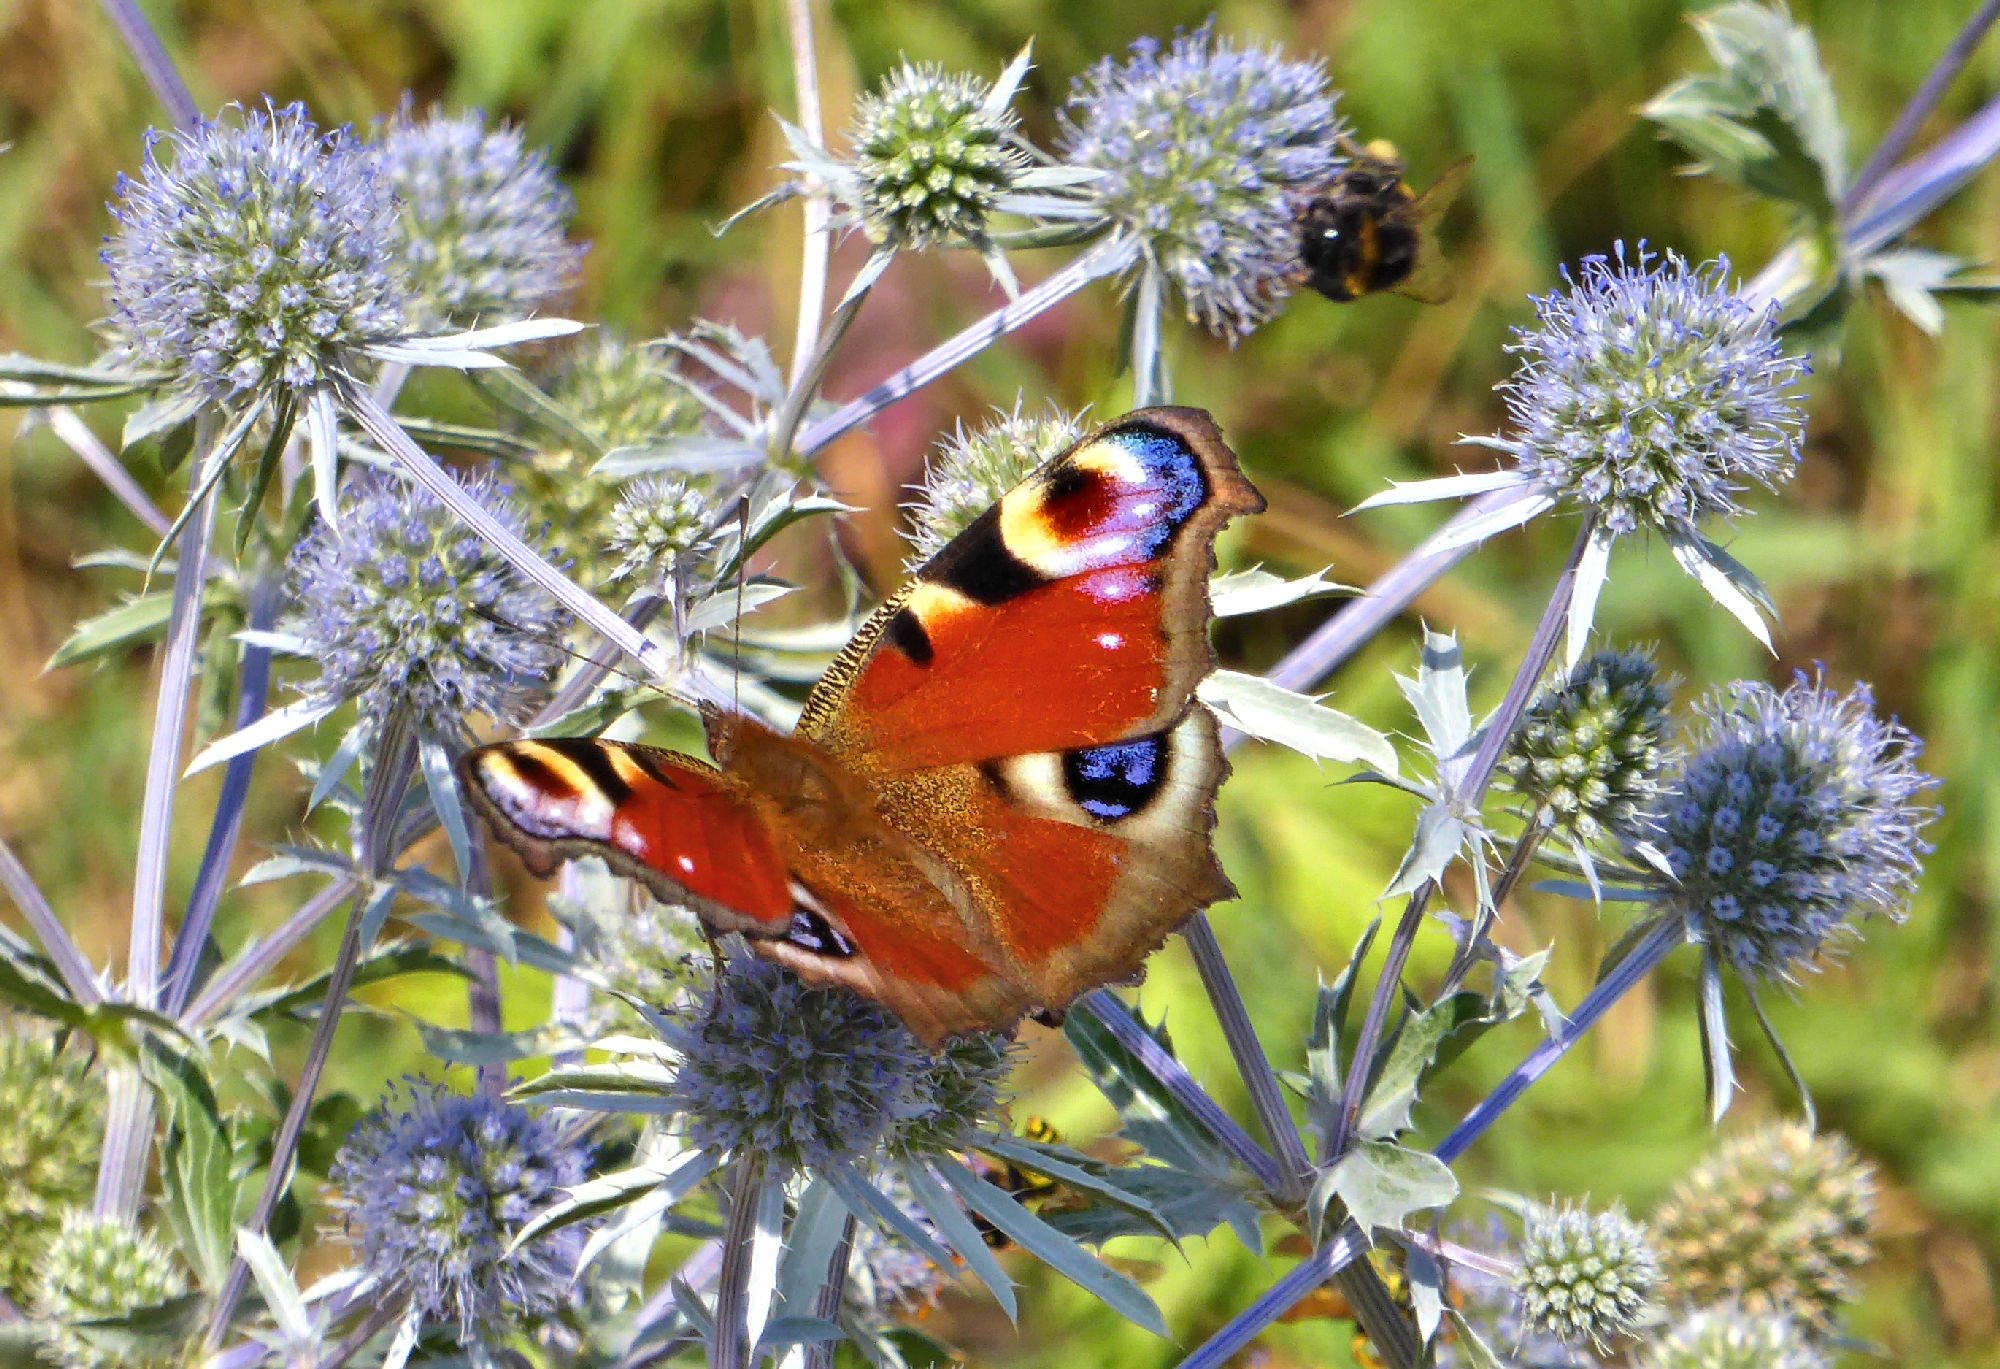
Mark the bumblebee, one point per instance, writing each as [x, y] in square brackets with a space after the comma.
[1044, 1193]
[1366, 231]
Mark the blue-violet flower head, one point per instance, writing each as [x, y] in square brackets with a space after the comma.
[255, 252]
[1202, 150]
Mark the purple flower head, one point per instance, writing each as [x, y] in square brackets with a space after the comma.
[254, 252]
[1202, 148]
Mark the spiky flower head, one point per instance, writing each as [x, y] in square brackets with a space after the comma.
[636, 944]
[1201, 149]
[1796, 813]
[661, 522]
[99, 1269]
[1777, 1220]
[434, 1191]
[804, 1075]
[1728, 1337]
[1589, 750]
[1586, 1276]
[933, 154]
[971, 470]
[1492, 1309]
[1652, 393]
[480, 219]
[54, 1108]
[401, 606]
[953, 1094]
[255, 252]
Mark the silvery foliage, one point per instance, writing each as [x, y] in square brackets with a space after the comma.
[271, 283]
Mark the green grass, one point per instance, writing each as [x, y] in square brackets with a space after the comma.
[1884, 555]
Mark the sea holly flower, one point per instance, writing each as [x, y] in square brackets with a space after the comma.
[1586, 1277]
[480, 218]
[103, 1269]
[49, 1148]
[435, 1193]
[1777, 1221]
[1200, 150]
[1728, 1337]
[661, 523]
[1649, 397]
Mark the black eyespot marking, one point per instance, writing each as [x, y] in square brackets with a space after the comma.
[979, 565]
[811, 932]
[1116, 781]
[594, 761]
[906, 633]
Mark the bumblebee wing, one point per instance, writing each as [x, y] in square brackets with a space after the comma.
[1431, 280]
[1430, 204]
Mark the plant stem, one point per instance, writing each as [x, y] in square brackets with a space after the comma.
[1525, 846]
[1173, 1076]
[1472, 789]
[732, 1348]
[128, 1136]
[75, 434]
[63, 952]
[1281, 1133]
[381, 1316]
[1918, 107]
[170, 717]
[261, 957]
[266, 599]
[284, 1149]
[482, 986]
[153, 62]
[1105, 259]
[818, 213]
[1307, 1275]
[826, 1302]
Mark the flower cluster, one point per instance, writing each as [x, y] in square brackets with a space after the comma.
[54, 1106]
[934, 153]
[255, 252]
[660, 523]
[1586, 1276]
[1796, 812]
[1200, 148]
[1777, 1221]
[1651, 392]
[1727, 1337]
[100, 1269]
[434, 1194]
[1588, 751]
[805, 1075]
[402, 607]
[480, 219]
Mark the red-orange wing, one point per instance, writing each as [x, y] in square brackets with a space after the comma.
[690, 833]
[1072, 613]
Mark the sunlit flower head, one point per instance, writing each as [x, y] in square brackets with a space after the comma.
[1796, 813]
[1201, 147]
[101, 1268]
[1589, 749]
[972, 469]
[1651, 392]
[1586, 1277]
[934, 152]
[402, 607]
[49, 1147]
[255, 252]
[481, 218]
[434, 1191]
[1728, 1337]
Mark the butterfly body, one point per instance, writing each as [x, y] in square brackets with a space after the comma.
[999, 796]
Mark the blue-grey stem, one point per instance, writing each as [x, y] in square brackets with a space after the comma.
[482, 984]
[1173, 1077]
[75, 434]
[62, 950]
[151, 56]
[1388, 988]
[383, 1313]
[1918, 107]
[263, 956]
[1281, 1133]
[266, 599]
[170, 720]
[732, 1347]
[1912, 190]
[1103, 260]
[1308, 1274]
[799, 396]
[128, 1142]
[1639, 962]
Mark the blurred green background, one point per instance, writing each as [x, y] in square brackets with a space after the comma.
[1884, 555]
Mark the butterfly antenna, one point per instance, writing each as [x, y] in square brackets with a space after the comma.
[590, 661]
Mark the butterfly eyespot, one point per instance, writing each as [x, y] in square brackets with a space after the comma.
[811, 932]
[1116, 781]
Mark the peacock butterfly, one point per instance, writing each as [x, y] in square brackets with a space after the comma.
[999, 796]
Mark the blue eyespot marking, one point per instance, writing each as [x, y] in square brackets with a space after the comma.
[1116, 781]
